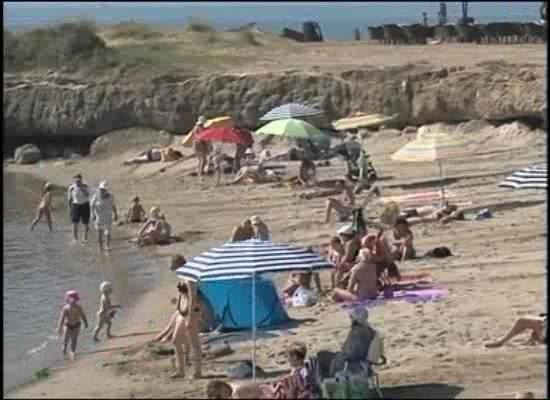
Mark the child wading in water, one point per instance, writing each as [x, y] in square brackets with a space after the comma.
[45, 207]
[106, 310]
[71, 316]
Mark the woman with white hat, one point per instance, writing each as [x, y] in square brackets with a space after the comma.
[45, 207]
[202, 148]
[103, 209]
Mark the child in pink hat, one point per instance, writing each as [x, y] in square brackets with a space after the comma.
[72, 315]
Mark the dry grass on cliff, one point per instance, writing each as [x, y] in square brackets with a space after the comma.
[58, 45]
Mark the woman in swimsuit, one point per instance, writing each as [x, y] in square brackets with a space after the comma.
[71, 316]
[45, 207]
[186, 330]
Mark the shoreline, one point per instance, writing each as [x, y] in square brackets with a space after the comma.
[433, 342]
[122, 322]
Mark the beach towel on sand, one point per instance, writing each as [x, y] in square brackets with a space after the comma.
[411, 296]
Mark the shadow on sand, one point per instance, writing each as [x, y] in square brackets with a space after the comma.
[422, 391]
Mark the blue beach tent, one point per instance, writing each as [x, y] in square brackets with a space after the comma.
[230, 301]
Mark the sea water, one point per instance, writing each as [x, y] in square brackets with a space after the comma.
[39, 267]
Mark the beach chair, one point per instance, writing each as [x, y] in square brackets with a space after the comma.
[357, 385]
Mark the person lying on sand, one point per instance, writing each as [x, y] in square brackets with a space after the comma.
[253, 175]
[164, 154]
[243, 231]
[136, 213]
[363, 282]
[444, 214]
[402, 247]
[537, 326]
[222, 390]
[45, 207]
[70, 320]
[343, 206]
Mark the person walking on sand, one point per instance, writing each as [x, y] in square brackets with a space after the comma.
[45, 207]
[186, 332]
[103, 211]
[72, 315]
[106, 310]
[78, 197]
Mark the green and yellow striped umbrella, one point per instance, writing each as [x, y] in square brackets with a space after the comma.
[430, 147]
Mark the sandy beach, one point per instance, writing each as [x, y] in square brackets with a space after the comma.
[434, 349]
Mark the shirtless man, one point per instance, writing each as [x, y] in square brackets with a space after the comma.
[71, 316]
[45, 207]
[344, 206]
[363, 281]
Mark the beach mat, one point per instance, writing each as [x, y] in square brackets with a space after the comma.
[410, 296]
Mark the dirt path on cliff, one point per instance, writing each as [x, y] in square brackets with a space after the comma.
[497, 275]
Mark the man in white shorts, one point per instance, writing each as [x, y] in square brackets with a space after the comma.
[103, 210]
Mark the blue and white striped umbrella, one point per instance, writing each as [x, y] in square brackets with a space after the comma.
[243, 259]
[291, 110]
[528, 178]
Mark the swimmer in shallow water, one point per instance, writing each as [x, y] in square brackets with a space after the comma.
[45, 207]
[72, 315]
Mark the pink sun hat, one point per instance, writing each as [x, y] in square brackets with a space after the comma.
[72, 296]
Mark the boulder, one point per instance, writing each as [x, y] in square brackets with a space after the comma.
[27, 154]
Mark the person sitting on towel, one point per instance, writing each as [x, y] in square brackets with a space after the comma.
[402, 248]
[363, 281]
[378, 246]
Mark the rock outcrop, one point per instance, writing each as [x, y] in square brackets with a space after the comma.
[27, 154]
[420, 94]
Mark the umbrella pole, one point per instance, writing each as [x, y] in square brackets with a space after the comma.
[441, 183]
[254, 327]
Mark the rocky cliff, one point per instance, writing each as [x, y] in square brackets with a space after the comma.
[41, 106]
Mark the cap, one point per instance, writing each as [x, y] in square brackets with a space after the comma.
[72, 296]
[105, 286]
[359, 314]
[103, 185]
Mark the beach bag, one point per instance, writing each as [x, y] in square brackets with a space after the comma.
[439, 252]
[304, 298]
[346, 386]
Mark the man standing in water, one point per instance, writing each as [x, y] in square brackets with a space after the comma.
[78, 197]
[103, 209]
